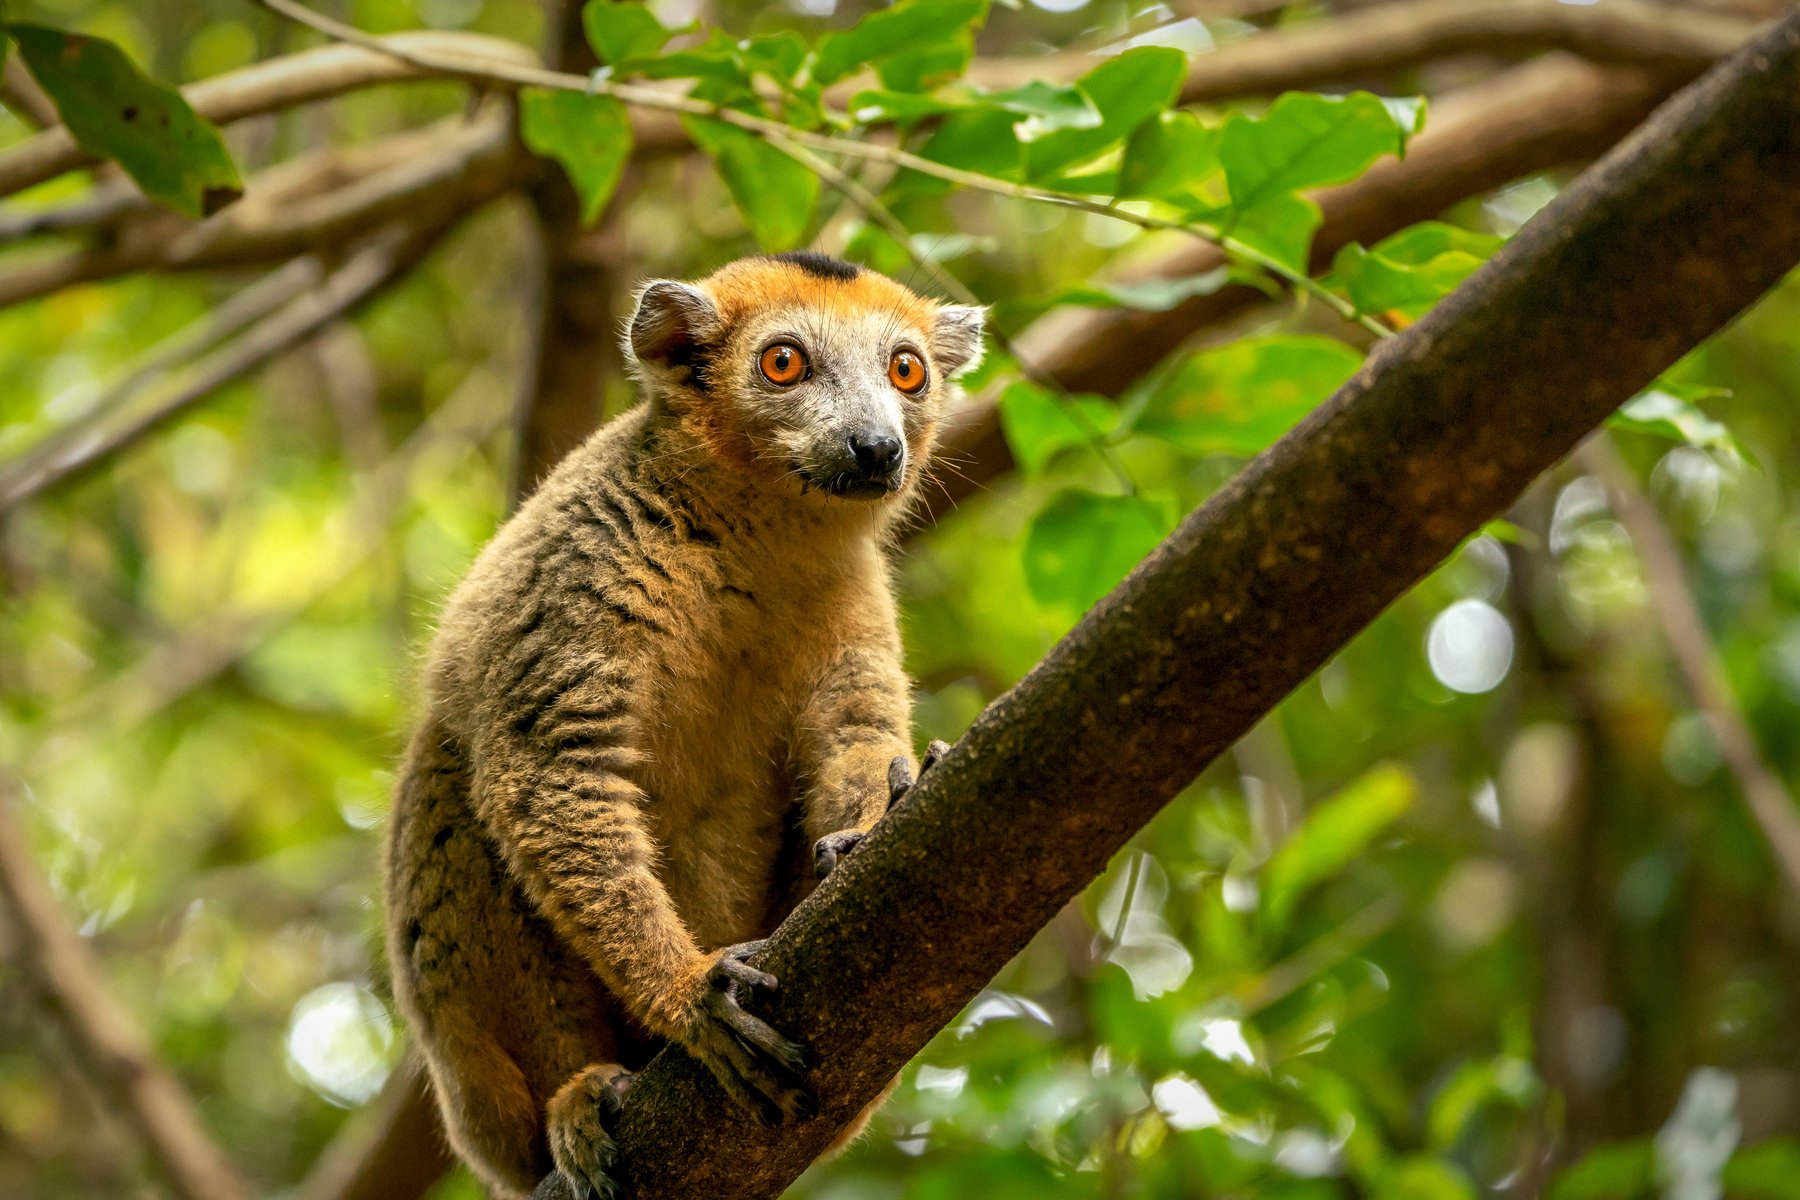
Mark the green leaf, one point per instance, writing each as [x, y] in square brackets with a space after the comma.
[1624, 1171]
[1413, 270]
[1083, 543]
[775, 193]
[911, 45]
[1408, 273]
[1146, 295]
[1169, 156]
[1281, 225]
[1126, 90]
[1046, 107]
[1664, 411]
[115, 111]
[718, 61]
[1040, 424]
[878, 105]
[1303, 141]
[1241, 397]
[1335, 833]
[1769, 1170]
[621, 31]
[589, 135]
[978, 140]
[1422, 1178]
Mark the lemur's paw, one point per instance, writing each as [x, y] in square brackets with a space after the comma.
[900, 777]
[833, 846]
[583, 1117]
[758, 1068]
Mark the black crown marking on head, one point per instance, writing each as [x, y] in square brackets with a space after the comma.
[821, 265]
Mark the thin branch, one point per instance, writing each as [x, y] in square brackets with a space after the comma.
[24, 96]
[1770, 802]
[1392, 37]
[279, 83]
[1529, 119]
[221, 322]
[456, 168]
[113, 1052]
[781, 134]
[1251, 594]
[387, 258]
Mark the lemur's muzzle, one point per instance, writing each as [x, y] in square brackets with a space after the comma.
[873, 466]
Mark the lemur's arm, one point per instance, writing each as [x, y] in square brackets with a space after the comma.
[854, 725]
[552, 790]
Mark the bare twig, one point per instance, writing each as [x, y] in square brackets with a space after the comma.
[1697, 659]
[366, 272]
[113, 1052]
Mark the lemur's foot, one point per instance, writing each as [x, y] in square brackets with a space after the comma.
[834, 846]
[901, 780]
[757, 1067]
[583, 1119]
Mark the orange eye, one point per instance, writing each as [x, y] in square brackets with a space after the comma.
[906, 371]
[784, 363]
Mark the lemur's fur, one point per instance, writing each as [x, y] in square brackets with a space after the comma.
[672, 671]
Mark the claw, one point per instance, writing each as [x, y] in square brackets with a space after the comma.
[833, 846]
[901, 780]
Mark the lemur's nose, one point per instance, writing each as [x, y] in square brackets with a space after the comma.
[877, 454]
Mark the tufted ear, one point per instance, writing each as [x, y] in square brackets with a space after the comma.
[956, 339]
[671, 322]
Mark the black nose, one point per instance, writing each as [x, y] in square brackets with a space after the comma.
[877, 454]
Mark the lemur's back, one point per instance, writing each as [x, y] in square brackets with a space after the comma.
[673, 672]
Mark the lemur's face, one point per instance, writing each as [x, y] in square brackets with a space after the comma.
[806, 371]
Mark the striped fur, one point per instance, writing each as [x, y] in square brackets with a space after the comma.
[675, 668]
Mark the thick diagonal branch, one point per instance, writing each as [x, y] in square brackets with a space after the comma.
[1656, 248]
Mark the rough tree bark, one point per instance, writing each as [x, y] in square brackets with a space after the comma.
[1656, 248]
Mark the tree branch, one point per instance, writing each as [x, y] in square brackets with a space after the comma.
[1391, 37]
[1528, 119]
[454, 170]
[378, 264]
[1770, 803]
[1653, 250]
[279, 83]
[114, 1054]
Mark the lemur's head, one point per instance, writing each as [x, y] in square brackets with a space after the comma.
[805, 371]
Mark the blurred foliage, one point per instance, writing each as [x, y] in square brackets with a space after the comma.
[1478, 912]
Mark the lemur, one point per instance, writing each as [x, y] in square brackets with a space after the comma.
[675, 668]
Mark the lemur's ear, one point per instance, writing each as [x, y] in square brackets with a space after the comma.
[671, 320]
[956, 340]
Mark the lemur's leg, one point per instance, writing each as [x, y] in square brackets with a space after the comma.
[582, 1120]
